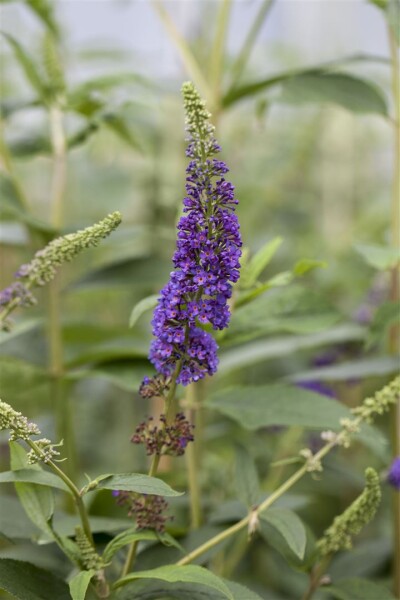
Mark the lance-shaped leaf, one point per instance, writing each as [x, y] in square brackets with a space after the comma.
[37, 500]
[36, 476]
[188, 574]
[283, 529]
[141, 307]
[358, 589]
[31, 72]
[132, 482]
[79, 584]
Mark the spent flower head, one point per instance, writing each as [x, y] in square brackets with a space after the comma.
[147, 509]
[206, 259]
[339, 535]
[168, 439]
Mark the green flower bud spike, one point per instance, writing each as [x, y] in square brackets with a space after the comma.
[339, 535]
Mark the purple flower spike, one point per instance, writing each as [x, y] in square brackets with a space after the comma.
[394, 473]
[206, 259]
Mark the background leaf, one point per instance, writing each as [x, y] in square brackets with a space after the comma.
[135, 482]
[278, 404]
[246, 477]
[37, 500]
[27, 582]
[288, 530]
[358, 589]
[188, 574]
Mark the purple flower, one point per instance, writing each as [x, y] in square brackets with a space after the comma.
[394, 473]
[206, 259]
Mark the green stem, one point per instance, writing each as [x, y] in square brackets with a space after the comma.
[169, 409]
[188, 59]
[192, 456]
[217, 52]
[56, 367]
[315, 578]
[71, 486]
[220, 537]
[244, 54]
[395, 290]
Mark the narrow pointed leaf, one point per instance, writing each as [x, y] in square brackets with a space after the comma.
[31, 72]
[136, 482]
[141, 307]
[282, 527]
[188, 574]
[35, 476]
[79, 584]
[37, 500]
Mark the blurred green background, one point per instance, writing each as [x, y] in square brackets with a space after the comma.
[310, 154]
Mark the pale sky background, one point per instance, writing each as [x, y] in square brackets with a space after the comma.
[317, 30]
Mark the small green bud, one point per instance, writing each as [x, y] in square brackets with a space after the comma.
[43, 266]
[380, 402]
[339, 535]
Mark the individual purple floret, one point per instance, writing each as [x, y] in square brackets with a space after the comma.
[206, 259]
[394, 473]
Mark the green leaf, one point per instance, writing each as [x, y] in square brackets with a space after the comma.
[261, 406]
[272, 348]
[37, 500]
[133, 535]
[358, 589]
[292, 309]
[305, 265]
[14, 523]
[125, 374]
[379, 257]
[258, 262]
[30, 475]
[188, 574]
[142, 589]
[31, 72]
[117, 124]
[374, 98]
[362, 368]
[79, 584]
[289, 529]
[24, 581]
[348, 91]
[386, 316]
[141, 307]
[44, 10]
[13, 209]
[246, 477]
[135, 482]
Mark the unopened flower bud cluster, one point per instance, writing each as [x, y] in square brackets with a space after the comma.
[339, 535]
